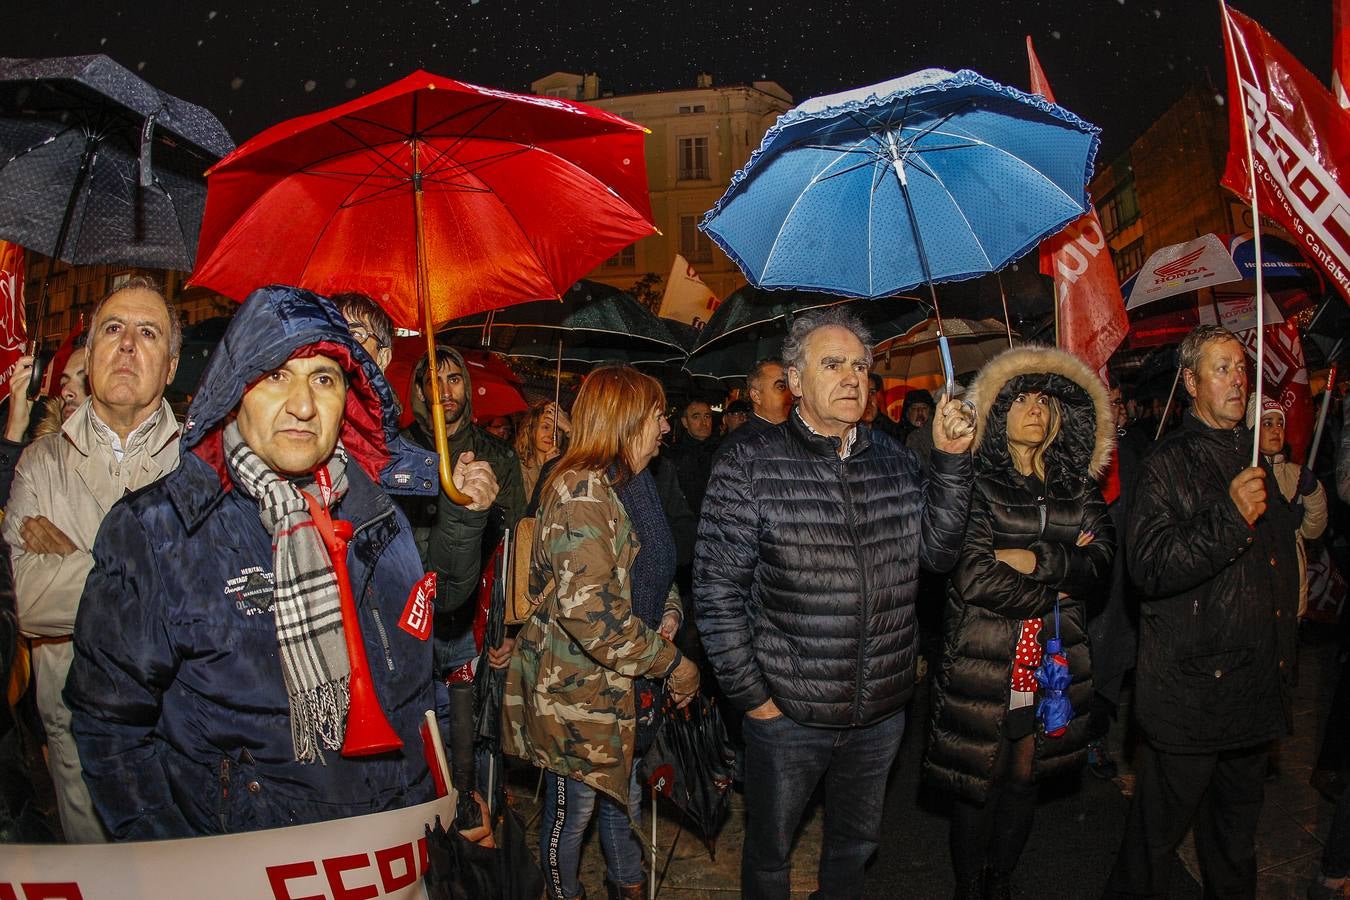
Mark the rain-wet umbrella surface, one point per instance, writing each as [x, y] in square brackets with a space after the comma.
[936, 176]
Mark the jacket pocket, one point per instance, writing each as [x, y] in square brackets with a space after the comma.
[1215, 667]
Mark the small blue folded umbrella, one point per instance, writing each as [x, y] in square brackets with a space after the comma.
[1054, 709]
[936, 176]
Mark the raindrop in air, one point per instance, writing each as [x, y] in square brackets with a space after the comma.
[310, 85]
[350, 83]
[236, 83]
[211, 15]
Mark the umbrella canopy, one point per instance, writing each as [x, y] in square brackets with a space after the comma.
[1210, 260]
[935, 176]
[593, 323]
[97, 166]
[914, 357]
[475, 197]
[750, 325]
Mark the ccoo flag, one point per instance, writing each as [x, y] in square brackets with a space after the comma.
[1300, 145]
[1092, 320]
[13, 327]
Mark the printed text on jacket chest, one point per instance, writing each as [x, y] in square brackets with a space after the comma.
[251, 590]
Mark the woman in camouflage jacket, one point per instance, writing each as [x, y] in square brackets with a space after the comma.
[569, 705]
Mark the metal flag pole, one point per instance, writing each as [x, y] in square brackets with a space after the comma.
[1256, 230]
[1171, 395]
[1322, 413]
[1007, 321]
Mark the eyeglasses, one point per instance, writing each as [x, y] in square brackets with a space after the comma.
[362, 333]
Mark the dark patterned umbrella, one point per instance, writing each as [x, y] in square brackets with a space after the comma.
[97, 166]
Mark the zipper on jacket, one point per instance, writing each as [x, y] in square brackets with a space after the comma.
[384, 637]
[862, 604]
[1041, 511]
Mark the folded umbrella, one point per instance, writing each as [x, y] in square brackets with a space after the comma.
[691, 763]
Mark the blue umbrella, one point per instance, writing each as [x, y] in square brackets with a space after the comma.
[1054, 710]
[936, 176]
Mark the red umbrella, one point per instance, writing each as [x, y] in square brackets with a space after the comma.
[437, 198]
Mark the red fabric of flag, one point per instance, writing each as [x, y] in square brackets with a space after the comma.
[1092, 320]
[13, 325]
[1300, 140]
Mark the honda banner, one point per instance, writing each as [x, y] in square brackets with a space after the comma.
[13, 327]
[1092, 320]
[1300, 140]
[382, 855]
[1178, 268]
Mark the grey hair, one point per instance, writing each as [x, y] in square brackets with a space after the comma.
[794, 345]
[143, 283]
[1188, 355]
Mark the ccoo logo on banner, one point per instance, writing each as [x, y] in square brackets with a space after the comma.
[382, 855]
[1300, 141]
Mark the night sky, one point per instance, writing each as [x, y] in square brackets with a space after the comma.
[1117, 63]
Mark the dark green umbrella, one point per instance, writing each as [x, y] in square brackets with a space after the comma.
[750, 325]
[592, 323]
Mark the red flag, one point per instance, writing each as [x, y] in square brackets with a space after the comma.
[1300, 141]
[1340, 51]
[13, 325]
[1092, 320]
[1286, 380]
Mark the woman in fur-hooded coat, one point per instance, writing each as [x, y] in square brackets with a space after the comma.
[1038, 531]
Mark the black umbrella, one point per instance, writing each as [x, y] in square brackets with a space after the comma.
[592, 323]
[750, 325]
[691, 763]
[99, 167]
[458, 869]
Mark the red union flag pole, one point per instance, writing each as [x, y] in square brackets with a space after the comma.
[1092, 320]
[1237, 106]
[13, 327]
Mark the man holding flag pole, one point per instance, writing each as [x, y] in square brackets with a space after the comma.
[1210, 543]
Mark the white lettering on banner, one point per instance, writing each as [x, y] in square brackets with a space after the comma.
[382, 856]
[1306, 190]
[1081, 250]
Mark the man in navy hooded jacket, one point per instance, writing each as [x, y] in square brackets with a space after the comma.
[209, 690]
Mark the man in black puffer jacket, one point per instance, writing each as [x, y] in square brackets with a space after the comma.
[811, 538]
[1211, 548]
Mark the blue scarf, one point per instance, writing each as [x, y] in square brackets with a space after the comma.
[653, 572]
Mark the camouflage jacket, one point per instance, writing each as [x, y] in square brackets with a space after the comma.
[569, 704]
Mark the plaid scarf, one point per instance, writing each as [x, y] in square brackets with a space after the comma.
[307, 609]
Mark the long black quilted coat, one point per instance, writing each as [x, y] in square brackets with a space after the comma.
[988, 600]
[1220, 597]
[806, 566]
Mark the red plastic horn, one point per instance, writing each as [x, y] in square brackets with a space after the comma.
[368, 730]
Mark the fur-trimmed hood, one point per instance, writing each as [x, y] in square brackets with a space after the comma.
[1087, 433]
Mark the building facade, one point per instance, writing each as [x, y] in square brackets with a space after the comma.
[699, 137]
[74, 291]
[1165, 189]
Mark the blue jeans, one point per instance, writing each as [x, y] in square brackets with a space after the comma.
[784, 762]
[568, 806]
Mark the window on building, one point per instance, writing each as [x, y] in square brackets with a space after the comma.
[689, 109]
[1119, 209]
[566, 93]
[693, 158]
[694, 244]
[1128, 259]
[624, 259]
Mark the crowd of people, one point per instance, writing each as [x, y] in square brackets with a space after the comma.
[235, 620]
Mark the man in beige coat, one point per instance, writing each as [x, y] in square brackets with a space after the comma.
[122, 438]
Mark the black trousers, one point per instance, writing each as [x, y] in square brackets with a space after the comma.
[1219, 794]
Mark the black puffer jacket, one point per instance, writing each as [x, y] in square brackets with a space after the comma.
[1220, 597]
[987, 600]
[806, 565]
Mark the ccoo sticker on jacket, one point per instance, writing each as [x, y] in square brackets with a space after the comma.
[416, 619]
